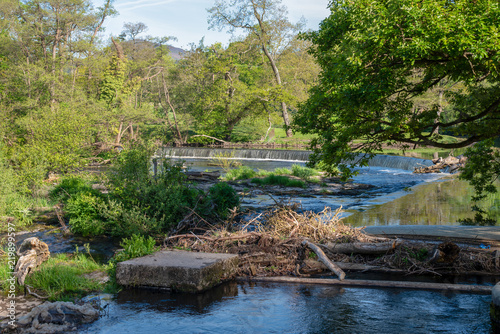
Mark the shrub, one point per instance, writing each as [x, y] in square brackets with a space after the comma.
[241, 173]
[70, 186]
[224, 197]
[136, 246]
[83, 211]
[303, 172]
[279, 180]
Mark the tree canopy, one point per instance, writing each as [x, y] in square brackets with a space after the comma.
[379, 59]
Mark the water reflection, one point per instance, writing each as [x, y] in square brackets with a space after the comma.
[277, 308]
[443, 202]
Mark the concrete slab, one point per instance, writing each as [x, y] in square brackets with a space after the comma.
[178, 270]
[480, 233]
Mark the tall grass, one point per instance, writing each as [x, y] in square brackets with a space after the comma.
[60, 277]
[279, 180]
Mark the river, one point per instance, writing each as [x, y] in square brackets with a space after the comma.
[398, 197]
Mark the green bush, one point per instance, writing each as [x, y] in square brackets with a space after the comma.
[135, 246]
[70, 186]
[84, 214]
[304, 173]
[282, 171]
[241, 173]
[279, 180]
[224, 197]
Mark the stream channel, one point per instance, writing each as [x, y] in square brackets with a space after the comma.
[398, 197]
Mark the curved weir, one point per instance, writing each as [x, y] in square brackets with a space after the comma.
[388, 161]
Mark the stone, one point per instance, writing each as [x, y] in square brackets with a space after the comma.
[495, 308]
[448, 161]
[57, 317]
[178, 270]
[32, 253]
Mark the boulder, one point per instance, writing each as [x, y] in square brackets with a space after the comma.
[32, 253]
[57, 317]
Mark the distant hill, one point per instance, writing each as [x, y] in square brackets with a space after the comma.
[176, 53]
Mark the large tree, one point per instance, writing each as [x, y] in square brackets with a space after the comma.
[378, 58]
[266, 20]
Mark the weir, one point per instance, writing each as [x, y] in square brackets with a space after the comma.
[388, 161]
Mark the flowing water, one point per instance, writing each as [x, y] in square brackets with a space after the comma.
[291, 308]
[398, 197]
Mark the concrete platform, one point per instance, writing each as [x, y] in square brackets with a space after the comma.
[178, 270]
[478, 233]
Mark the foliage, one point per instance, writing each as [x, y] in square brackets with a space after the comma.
[136, 246]
[279, 180]
[482, 168]
[378, 57]
[61, 277]
[241, 173]
[224, 198]
[304, 173]
[69, 186]
[85, 218]
[268, 27]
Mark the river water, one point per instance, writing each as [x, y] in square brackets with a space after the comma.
[290, 308]
[398, 197]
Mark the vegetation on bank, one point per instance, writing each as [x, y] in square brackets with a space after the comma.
[244, 172]
[69, 277]
[138, 202]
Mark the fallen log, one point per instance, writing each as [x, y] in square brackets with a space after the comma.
[362, 247]
[234, 237]
[314, 265]
[323, 258]
[479, 289]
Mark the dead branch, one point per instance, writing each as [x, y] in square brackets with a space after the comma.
[323, 258]
[362, 248]
[222, 141]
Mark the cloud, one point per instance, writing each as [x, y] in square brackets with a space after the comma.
[132, 5]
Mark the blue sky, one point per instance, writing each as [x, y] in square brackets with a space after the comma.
[187, 19]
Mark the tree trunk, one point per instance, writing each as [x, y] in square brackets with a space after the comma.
[284, 110]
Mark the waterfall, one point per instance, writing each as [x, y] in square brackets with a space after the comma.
[392, 161]
[388, 161]
[239, 154]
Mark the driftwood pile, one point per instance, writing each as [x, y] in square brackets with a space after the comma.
[449, 164]
[283, 242]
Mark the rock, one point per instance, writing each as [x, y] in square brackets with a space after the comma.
[32, 253]
[57, 317]
[178, 270]
[450, 161]
[453, 168]
[495, 309]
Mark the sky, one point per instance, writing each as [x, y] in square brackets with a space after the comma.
[187, 19]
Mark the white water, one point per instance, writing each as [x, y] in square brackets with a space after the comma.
[388, 161]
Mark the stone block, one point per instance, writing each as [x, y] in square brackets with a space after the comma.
[178, 270]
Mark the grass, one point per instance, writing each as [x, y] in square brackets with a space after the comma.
[279, 180]
[61, 277]
[280, 176]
